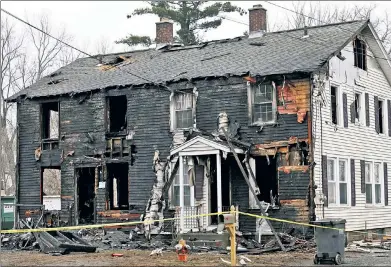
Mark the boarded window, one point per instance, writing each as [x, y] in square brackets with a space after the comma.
[360, 54]
[116, 113]
[50, 120]
[264, 103]
[183, 107]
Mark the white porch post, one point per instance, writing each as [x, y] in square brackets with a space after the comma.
[219, 193]
[181, 194]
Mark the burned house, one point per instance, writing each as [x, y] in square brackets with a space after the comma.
[154, 133]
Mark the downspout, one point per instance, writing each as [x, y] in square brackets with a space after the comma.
[312, 165]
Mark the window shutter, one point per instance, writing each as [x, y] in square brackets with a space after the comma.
[353, 112]
[385, 184]
[389, 117]
[362, 165]
[353, 182]
[367, 109]
[324, 179]
[199, 182]
[345, 110]
[376, 107]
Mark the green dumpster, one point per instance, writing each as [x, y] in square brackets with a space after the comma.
[7, 212]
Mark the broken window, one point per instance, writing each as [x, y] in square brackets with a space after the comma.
[357, 107]
[183, 111]
[380, 115]
[116, 113]
[263, 104]
[337, 177]
[51, 188]
[360, 53]
[335, 105]
[50, 120]
[188, 189]
[118, 185]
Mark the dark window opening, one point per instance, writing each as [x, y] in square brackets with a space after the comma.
[334, 105]
[118, 186]
[357, 106]
[266, 176]
[85, 194]
[381, 116]
[50, 120]
[116, 113]
[360, 54]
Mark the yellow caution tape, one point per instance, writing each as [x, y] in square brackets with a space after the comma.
[78, 227]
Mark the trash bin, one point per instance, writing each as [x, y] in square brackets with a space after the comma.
[330, 242]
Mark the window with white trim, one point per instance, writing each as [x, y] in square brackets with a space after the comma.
[188, 189]
[373, 183]
[263, 103]
[182, 109]
[337, 177]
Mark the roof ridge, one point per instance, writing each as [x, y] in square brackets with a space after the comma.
[320, 26]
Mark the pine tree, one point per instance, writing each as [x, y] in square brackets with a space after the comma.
[191, 16]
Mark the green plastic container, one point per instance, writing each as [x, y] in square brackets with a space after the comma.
[7, 212]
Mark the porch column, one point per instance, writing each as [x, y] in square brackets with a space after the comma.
[219, 196]
[181, 194]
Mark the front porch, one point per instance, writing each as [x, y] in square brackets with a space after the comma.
[203, 183]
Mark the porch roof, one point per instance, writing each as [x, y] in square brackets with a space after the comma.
[200, 145]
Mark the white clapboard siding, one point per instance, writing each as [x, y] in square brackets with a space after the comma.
[358, 142]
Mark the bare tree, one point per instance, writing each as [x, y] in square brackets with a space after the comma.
[104, 46]
[20, 67]
[313, 14]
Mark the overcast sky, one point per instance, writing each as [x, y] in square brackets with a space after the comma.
[91, 21]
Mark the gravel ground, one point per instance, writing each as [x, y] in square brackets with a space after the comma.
[142, 258]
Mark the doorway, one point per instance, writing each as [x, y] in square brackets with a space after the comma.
[266, 175]
[85, 194]
[118, 185]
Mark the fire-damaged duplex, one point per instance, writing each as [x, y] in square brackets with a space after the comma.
[176, 131]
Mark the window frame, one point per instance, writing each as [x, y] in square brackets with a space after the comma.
[384, 120]
[361, 113]
[43, 118]
[251, 87]
[171, 192]
[373, 184]
[339, 105]
[173, 112]
[337, 182]
[357, 53]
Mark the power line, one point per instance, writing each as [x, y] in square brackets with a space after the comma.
[306, 40]
[313, 18]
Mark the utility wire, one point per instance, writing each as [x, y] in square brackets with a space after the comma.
[301, 14]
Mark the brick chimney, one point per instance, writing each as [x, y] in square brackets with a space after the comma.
[258, 21]
[164, 32]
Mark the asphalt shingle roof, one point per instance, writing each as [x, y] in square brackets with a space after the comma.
[273, 53]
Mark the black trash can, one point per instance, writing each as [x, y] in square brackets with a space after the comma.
[330, 242]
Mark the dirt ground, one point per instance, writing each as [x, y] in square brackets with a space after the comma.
[142, 258]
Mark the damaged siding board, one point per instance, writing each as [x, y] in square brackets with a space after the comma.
[357, 142]
[152, 131]
[293, 185]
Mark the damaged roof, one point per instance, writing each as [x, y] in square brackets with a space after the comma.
[274, 53]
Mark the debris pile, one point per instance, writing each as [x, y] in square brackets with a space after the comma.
[373, 246]
[25, 241]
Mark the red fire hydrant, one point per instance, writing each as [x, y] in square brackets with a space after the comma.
[182, 250]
